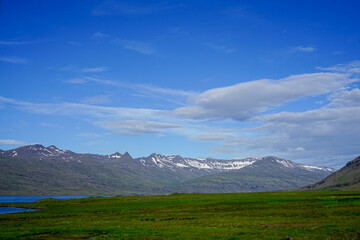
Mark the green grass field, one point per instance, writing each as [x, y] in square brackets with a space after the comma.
[285, 215]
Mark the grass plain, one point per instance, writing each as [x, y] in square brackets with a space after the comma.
[273, 215]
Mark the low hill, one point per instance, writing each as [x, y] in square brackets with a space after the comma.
[347, 178]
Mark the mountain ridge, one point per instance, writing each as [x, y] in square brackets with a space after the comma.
[157, 159]
[35, 169]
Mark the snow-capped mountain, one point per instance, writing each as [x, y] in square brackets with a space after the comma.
[208, 165]
[121, 174]
[172, 162]
[214, 166]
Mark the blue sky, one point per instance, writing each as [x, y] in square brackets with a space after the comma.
[221, 79]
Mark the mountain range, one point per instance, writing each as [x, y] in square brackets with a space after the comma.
[39, 170]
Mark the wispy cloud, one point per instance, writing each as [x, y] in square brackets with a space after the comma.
[94, 69]
[68, 67]
[13, 60]
[89, 135]
[179, 31]
[77, 81]
[102, 81]
[352, 67]
[134, 45]
[137, 46]
[221, 48]
[337, 52]
[97, 143]
[303, 49]
[13, 43]
[165, 91]
[75, 43]
[100, 99]
[100, 35]
[72, 68]
[86, 110]
[52, 125]
[120, 8]
[136, 127]
[11, 142]
[147, 90]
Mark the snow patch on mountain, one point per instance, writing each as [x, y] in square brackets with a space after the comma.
[212, 165]
[314, 168]
[286, 163]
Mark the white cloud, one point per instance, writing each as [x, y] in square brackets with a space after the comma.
[244, 100]
[136, 127]
[11, 142]
[137, 46]
[352, 67]
[326, 132]
[349, 98]
[13, 60]
[328, 135]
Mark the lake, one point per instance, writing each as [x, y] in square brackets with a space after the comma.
[12, 199]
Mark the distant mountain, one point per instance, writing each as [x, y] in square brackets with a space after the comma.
[265, 174]
[39, 170]
[347, 178]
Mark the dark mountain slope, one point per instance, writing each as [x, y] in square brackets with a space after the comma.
[82, 176]
[347, 178]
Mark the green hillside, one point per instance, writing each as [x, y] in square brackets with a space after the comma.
[347, 178]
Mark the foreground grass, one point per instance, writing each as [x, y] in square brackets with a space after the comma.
[286, 215]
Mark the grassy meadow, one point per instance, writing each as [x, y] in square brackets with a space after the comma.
[275, 215]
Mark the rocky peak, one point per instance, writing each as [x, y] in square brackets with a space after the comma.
[126, 156]
[53, 147]
[34, 147]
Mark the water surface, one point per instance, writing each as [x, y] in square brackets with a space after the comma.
[15, 199]
[13, 210]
